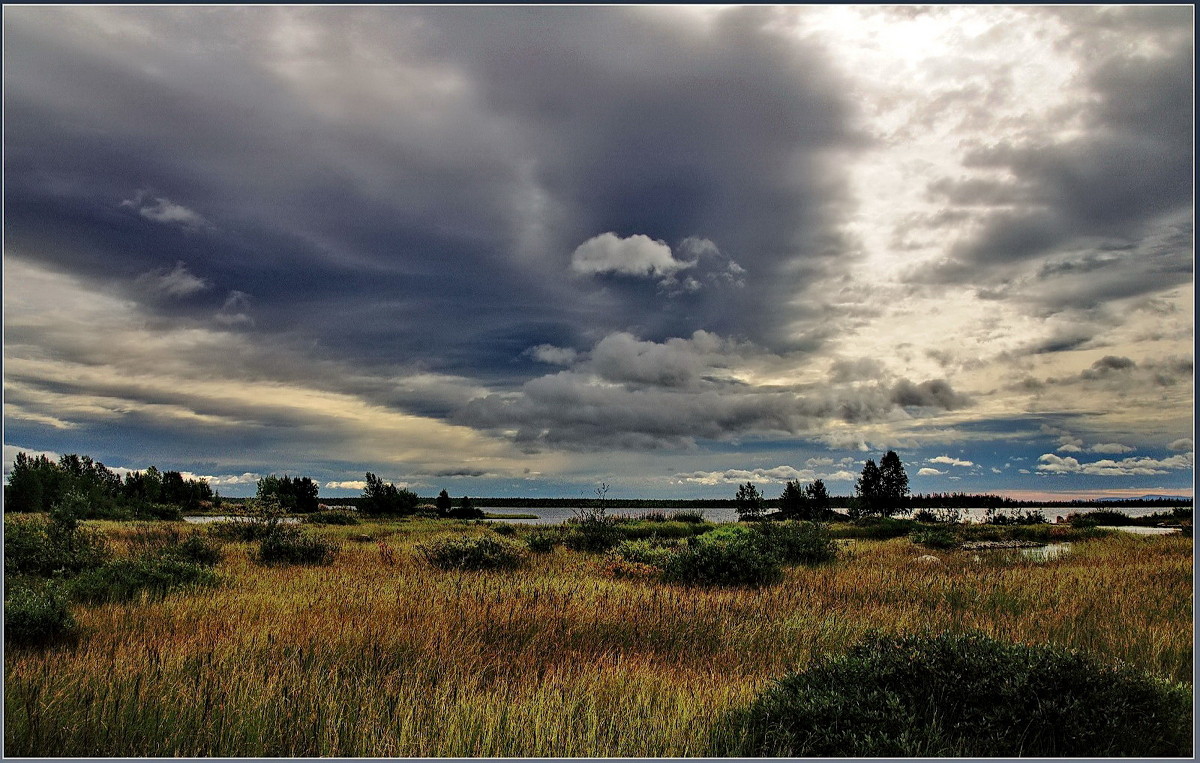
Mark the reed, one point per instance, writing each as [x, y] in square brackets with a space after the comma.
[380, 654]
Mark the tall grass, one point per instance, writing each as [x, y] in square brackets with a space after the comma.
[379, 654]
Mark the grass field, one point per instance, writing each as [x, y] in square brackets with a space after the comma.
[380, 654]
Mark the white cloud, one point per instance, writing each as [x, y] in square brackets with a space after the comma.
[555, 356]
[177, 282]
[1110, 447]
[637, 255]
[346, 485]
[11, 451]
[1127, 467]
[950, 461]
[225, 480]
[163, 210]
[995, 470]
[929, 472]
[1182, 444]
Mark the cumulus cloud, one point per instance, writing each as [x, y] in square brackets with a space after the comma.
[1110, 447]
[1049, 463]
[346, 485]
[227, 480]
[1184, 444]
[636, 255]
[174, 282]
[551, 355]
[950, 461]
[928, 471]
[774, 475]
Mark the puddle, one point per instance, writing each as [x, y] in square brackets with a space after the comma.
[1045, 553]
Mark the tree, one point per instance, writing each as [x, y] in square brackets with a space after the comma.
[466, 511]
[381, 497]
[306, 493]
[869, 488]
[893, 485]
[750, 504]
[443, 503]
[793, 503]
[818, 500]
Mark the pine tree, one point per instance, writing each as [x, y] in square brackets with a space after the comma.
[870, 488]
[893, 483]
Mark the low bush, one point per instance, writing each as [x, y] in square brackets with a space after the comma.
[876, 528]
[466, 553]
[331, 518]
[935, 537]
[654, 553]
[1102, 517]
[157, 541]
[503, 529]
[542, 542]
[799, 542]
[157, 511]
[638, 530]
[691, 517]
[731, 555]
[37, 615]
[128, 579]
[961, 696]
[41, 547]
[596, 537]
[653, 516]
[287, 545]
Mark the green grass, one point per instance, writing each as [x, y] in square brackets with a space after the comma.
[381, 654]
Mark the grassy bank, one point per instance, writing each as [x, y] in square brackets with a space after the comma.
[380, 654]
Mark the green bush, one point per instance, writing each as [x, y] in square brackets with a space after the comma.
[504, 529]
[466, 553]
[961, 696]
[331, 518]
[691, 517]
[287, 545]
[731, 555]
[159, 511]
[799, 542]
[542, 542]
[41, 547]
[157, 541]
[935, 537]
[654, 553]
[37, 616]
[128, 579]
[594, 535]
[876, 528]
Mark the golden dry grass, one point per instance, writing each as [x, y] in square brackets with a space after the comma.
[381, 655]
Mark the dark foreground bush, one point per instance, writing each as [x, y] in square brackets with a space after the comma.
[37, 616]
[331, 518]
[961, 696]
[691, 517]
[128, 579]
[169, 542]
[733, 555]
[799, 542]
[543, 542]
[287, 545]
[502, 529]
[935, 537]
[36, 546]
[465, 553]
[241, 529]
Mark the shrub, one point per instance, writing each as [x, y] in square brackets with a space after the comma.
[654, 516]
[691, 517]
[159, 511]
[595, 533]
[287, 545]
[466, 553]
[639, 530]
[1103, 517]
[128, 579]
[799, 542]
[502, 529]
[935, 537]
[648, 552]
[728, 556]
[35, 546]
[331, 518]
[194, 549]
[542, 542]
[170, 542]
[877, 528]
[37, 616]
[961, 696]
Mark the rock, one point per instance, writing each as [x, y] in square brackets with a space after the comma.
[928, 559]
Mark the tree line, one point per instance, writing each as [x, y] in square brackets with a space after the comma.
[36, 483]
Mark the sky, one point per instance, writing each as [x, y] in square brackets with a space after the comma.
[522, 251]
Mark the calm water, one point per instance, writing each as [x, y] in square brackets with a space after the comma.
[557, 516]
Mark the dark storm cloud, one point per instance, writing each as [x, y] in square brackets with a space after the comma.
[935, 393]
[409, 183]
[1112, 202]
